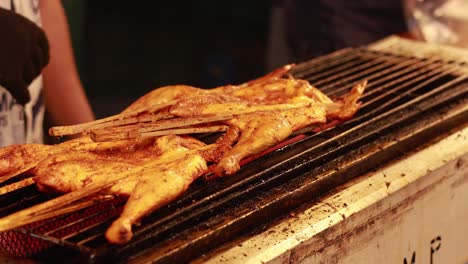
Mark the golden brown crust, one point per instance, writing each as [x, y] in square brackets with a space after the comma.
[154, 171]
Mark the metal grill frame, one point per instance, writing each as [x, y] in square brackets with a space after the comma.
[409, 100]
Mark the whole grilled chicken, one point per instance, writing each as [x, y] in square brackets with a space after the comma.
[154, 171]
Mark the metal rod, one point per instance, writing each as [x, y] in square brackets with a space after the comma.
[320, 77]
[89, 227]
[419, 68]
[356, 72]
[372, 76]
[434, 75]
[306, 66]
[349, 59]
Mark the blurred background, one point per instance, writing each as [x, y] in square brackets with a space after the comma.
[125, 49]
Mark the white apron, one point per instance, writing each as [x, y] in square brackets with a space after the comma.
[20, 124]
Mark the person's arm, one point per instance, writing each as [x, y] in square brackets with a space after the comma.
[65, 99]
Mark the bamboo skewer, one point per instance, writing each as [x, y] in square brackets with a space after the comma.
[39, 211]
[164, 124]
[121, 123]
[273, 107]
[72, 207]
[130, 134]
[15, 173]
[163, 128]
[183, 122]
[17, 185]
[132, 120]
[79, 128]
[183, 125]
[184, 131]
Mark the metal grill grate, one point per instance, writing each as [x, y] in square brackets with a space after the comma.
[408, 102]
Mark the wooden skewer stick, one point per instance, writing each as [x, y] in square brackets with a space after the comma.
[37, 212]
[183, 131]
[17, 173]
[17, 185]
[135, 133]
[182, 122]
[132, 120]
[163, 124]
[71, 208]
[163, 127]
[76, 129]
[54, 212]
[213, 109]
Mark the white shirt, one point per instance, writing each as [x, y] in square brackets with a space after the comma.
[20, 124]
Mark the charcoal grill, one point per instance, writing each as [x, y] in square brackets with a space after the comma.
[416, 94]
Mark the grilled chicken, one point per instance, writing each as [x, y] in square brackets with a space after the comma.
[73, 170]
[261, 130]
[163, 95]
[17, 159]
[155, 171]
[160, 182]
[282, 106]
[175, 92]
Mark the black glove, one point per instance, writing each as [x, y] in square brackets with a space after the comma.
[24, 52]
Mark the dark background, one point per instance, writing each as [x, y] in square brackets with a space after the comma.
[124, 49]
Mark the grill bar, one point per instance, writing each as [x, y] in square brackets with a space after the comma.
[415, 67]
[331, 149]
[23, 198]
[385, 103]
[342, 63]
[339, 78]
[410, 78]
[341, 69]
[320, 63]
[408, 102]
[338, 170]
[81, 220]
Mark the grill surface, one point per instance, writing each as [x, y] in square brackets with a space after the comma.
[409, 101]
